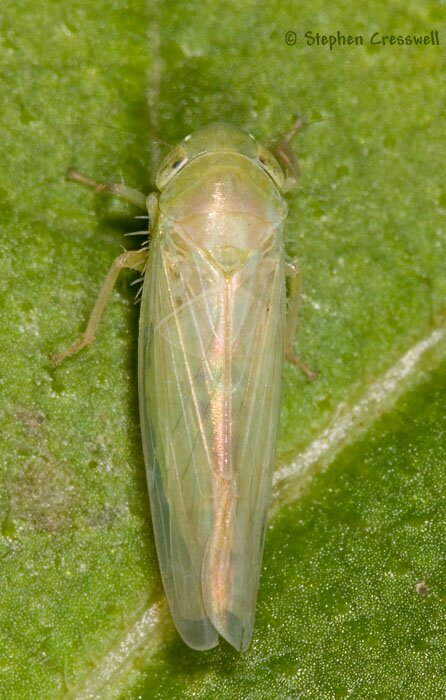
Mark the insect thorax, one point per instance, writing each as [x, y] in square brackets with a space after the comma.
[224, 205]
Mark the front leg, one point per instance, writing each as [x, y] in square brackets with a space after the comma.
[292, 272]
[134, 259]
[128, 194]
[286, 156]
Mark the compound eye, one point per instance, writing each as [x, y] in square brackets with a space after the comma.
[270, 165]
[170, 166]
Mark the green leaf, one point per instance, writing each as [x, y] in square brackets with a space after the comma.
[352, 594]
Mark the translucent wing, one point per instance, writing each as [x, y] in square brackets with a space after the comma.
[210, 367]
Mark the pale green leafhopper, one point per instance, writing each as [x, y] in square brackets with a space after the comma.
[214, 331]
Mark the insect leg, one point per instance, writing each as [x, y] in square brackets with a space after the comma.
[128, 194]
[292, 271]
[286, 156]
[136, 260]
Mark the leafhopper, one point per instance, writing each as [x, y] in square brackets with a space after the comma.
[214, 331]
